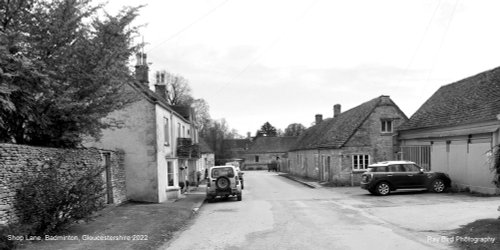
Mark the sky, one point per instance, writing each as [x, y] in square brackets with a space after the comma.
[284, 61]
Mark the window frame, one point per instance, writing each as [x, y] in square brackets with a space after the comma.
[386, 126]
[170, 173]
[355, 162]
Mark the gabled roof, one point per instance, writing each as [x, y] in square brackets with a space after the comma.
[471, 100]
[335, 132]
[266, 144]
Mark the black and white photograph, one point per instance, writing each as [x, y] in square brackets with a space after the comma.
[249, 124]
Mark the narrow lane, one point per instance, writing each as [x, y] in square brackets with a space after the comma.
[277, 213]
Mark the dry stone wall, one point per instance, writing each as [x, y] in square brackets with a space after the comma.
[18, 162]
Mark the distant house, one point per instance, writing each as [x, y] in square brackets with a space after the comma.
[234, 149]
[339, 149]
[265, 149]
[207, 157]
[455, 129]
[159, 141]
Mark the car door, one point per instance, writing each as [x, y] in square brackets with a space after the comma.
[396, 175]
[415, 177]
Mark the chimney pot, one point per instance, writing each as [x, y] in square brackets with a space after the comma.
[319, 118]
[336, 110]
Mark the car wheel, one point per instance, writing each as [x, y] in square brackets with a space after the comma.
[240, 197]
[382, 188]
[438, 186]
[242, 185]
[210, 199]
[222, 182]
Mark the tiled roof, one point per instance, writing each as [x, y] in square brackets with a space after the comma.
[471, 100]
[152, 97]
[184, 111]
[272, 144]
[335, 132]
[236, 144]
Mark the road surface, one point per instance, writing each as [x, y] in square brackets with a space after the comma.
[278, 213]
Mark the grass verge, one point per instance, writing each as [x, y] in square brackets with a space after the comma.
[480, 234]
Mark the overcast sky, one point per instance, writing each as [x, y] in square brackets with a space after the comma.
[285, 61]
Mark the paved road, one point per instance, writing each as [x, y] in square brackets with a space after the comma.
[277, 213]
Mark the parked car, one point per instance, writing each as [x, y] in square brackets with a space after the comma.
[240, 175]
[223, 181]
[238, 170]
[383, 177]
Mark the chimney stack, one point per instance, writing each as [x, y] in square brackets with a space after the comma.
[336, 110]
[142, 69]
[319, 118]
[160, 87]
[249, 135]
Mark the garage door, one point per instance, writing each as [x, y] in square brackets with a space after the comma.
[479, 175]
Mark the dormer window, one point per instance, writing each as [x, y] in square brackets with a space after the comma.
[386, 126]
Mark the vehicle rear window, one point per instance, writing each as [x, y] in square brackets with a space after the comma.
[218, 172]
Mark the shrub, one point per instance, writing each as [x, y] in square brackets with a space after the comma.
[50, 201]
[9, 231]
[494, 157]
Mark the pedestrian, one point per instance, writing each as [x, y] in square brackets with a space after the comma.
[186, 180]
[198, 178]
[272, 166]
[278, 164]
[206, 173]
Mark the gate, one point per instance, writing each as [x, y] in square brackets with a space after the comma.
[418, 154]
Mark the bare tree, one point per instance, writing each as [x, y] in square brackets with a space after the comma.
[178, 90]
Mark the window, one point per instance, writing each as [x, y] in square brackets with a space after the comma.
[411, 168]
[170, 173]
[386, 126]
[179, 130]
[183, 131]
[360, 162]
[223, 172]
[166, 131]
[256, 158]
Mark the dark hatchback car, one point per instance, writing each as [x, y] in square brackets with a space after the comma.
[383, 177]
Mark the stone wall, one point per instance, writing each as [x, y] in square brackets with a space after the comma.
[18, 162]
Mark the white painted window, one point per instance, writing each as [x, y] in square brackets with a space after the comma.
[360, 162]
[386, 126]
[170, 173]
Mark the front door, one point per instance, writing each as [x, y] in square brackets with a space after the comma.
[326, 168]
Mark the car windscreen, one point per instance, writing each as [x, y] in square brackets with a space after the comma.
[218, 172]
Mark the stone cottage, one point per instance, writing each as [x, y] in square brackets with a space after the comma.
[159, 141]
[265, 149]
[340, 148]
[455, 130]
